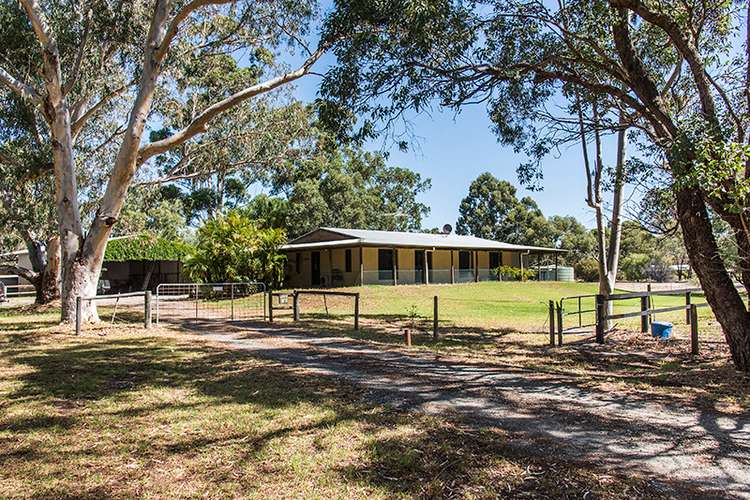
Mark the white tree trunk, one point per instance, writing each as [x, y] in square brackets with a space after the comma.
[82, 255]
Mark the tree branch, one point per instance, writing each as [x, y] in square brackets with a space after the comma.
[27, 274]
[638, 77]
[20, 88]
[79, 122]
[683, 45]
[174, 26]
[200, 123]
[79, 56]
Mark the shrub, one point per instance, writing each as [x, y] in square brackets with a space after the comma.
[510, 273]
[146, 246]
[587, 269]
[633, 267]
[231, 248]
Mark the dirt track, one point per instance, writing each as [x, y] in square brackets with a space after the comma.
[697, 447]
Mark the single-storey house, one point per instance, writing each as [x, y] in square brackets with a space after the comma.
[346, 257]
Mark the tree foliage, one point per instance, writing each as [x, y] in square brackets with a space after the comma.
[348, 187]
[146, 246]
[231, 248]
[491, 210]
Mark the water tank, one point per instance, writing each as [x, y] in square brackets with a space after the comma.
[564, 273]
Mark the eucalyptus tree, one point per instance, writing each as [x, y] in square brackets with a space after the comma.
[26, 217]
[149, 45]
[675, 71]
[348, 187]
[492, 210]
[608, 234]
[213, 173]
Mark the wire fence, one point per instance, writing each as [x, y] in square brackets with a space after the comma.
[210, 301]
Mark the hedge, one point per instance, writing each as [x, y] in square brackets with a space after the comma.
[146, 247]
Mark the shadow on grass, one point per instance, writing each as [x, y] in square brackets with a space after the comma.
[85, 374]
[580, 361]
[434, 460]
[389, 329]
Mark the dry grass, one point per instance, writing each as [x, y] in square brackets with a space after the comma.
[119, 412]
[629, 362]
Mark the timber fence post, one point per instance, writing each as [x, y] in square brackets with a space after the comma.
[356, 312]
[435, 333]
[644, 314]
[600, 318]
[79, 313]
[559, 324]
[552, 323]
[270, 307]
[687, 306]
[147, 310]
[295, 305]
[694, 347]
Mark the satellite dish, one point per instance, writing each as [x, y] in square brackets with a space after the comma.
[447, 229]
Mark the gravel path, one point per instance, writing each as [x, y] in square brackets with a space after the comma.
[700, 447]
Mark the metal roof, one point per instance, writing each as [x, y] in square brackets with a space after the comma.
[403, 239]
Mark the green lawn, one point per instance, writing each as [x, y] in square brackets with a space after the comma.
[491, 306]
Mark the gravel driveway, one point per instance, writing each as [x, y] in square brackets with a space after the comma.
[700, 447]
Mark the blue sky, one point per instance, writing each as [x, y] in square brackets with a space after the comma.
[452, 150]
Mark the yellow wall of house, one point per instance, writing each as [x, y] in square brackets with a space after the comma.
[483, 259]
[370, 258]
[441, 265]
[405, 258]
[441, 259]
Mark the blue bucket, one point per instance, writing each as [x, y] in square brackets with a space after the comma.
[661, 329]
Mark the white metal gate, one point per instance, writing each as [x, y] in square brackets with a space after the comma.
[210, 301]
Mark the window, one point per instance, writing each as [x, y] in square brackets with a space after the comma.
[385, 264]
[495, 260]
[464, 260]
[297, 262]
[418, 260]
[348, 260]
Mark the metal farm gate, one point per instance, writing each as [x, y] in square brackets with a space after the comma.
[210, 301]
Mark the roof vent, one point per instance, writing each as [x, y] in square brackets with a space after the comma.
[447, 229]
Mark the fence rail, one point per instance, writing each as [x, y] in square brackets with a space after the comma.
[146, 306]
[602, 314]
[22, 290]
[296, 308]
